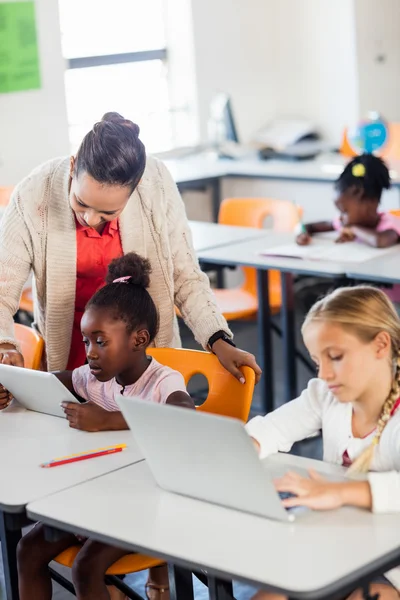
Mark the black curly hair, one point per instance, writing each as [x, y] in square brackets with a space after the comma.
[129, 300]
[375, 179]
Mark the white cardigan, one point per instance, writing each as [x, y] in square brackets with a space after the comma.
[37, 232]
[315, 409]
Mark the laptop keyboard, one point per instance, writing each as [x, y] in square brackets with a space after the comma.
[285, 495]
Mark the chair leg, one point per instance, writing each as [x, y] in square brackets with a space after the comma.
[125, 589]
[180, 583]
[65, 583]
[219, 589]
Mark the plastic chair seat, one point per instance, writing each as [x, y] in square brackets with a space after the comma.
[236, 303]
[130, 563]
[26, 302]
[32, 345]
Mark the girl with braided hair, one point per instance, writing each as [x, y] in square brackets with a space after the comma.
[353, 336]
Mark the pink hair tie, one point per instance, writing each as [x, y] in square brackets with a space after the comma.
[122, 279]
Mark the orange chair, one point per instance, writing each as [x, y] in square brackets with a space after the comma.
[241, 303]
[5, 195]
[26, 302]
[32, 345]
[226, 397]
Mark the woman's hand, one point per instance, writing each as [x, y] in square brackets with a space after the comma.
[346, 235]
[9, 355]
[232, 358]
[316, 492]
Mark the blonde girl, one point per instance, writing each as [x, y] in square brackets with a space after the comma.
[353, 336]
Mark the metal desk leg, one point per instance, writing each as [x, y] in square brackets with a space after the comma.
[180, 583]
[10, 535]
[219, 589]
[288, 336]
[264, 342]
[215, 187]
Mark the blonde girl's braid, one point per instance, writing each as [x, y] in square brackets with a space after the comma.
[362, 464]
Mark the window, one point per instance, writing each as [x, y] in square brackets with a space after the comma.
[117, 61]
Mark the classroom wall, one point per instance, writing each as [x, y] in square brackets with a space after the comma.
[316, 72]
[233, 54]
[378, 56]
[33, 124]
[277, 58]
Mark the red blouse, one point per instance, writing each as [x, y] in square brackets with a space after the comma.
[94, 253]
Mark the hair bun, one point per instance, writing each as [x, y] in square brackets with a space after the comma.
[114, 117]
[133, 265]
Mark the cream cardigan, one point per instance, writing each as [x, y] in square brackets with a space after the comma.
[38, 233]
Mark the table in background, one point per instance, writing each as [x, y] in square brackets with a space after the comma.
[201, 171]
[247, 254]
[212, 235]
[29, 439]
[343, 548]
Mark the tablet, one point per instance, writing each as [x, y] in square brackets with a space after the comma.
[36, 390]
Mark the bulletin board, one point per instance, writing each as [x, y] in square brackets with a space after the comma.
[19, 53]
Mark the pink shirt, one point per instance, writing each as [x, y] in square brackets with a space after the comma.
[386, 221]
[155, 385]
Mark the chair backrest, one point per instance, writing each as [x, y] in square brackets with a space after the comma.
[252, 212]
[32, 345]
[226, 395]
[5, 194]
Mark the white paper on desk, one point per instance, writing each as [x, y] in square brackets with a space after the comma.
[326, 249]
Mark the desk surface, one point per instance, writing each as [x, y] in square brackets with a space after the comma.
[386, 270]
[326, 167]
[212, 235]
[315, 556]
[29, 439]
[247, 253]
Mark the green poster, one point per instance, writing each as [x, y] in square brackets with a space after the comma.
[19, 55]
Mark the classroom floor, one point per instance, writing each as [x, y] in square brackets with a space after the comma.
[245, 338]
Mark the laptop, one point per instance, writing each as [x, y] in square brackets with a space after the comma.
[36, 390]
[207, 457]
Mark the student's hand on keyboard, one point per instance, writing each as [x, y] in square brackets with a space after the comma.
[87, 417]
[314, 492]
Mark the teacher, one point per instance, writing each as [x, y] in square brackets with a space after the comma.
[71, 216]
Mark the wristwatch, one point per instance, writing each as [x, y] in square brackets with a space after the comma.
[220, 335]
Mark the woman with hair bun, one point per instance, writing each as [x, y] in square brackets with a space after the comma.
[72, 216]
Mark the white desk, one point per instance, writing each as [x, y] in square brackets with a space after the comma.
[385, 270]
[247, 253]
[212, 235]
[28, 439]
[315, 557]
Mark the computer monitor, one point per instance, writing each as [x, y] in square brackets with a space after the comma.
[222, 120]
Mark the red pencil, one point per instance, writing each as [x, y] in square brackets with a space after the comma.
[82, 457]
